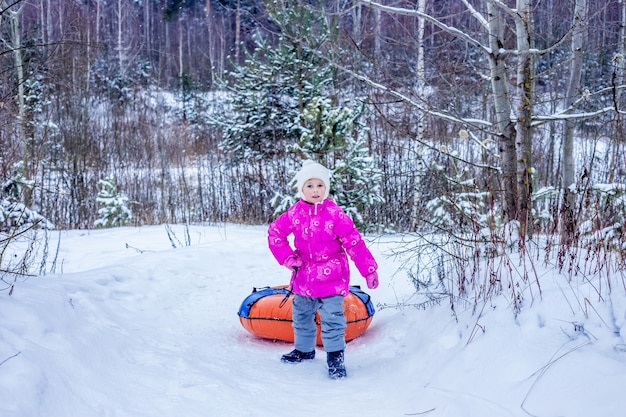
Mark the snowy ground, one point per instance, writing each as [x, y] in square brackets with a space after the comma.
[133, 327]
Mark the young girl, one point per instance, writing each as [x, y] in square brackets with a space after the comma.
[323, 234]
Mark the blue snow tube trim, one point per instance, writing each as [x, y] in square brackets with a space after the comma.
[257, 294]
[246, 305]
[365, 297]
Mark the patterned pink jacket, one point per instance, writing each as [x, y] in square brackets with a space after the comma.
[323, 234]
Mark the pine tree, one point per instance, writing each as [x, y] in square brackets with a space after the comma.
[335, 137]
[266, 98]
[113, 209]
[279, 107]
[268, 93]
[13, 213]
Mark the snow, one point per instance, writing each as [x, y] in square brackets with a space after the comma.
[131, 326]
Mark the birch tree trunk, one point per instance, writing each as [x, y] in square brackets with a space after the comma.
[181, 43]
[210, 42]
[120, 39]
[98, 17]
[568, 220]
[505, 127]
[618, 150]
[356, 25]
[622, 42]
[148, 27]
[420, 86]
[237, 30]
[525, 77]
[377, 33]
[26, 139]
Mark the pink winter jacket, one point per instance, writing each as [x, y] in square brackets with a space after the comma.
[323, 234]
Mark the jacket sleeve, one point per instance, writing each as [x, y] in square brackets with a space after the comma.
[277, 239]
[355, 246]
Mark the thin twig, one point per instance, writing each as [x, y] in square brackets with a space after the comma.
[10, 357]
[420, 412]
[544, 369]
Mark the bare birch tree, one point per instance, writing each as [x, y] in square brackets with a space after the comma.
[420, 73]
[12, 10]
[505, 127]
[525, 95]
[573, 94]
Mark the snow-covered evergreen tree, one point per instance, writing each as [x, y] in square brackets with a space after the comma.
[462, 206]
[260, 121]
[266, 98]
[113, 209]
[280, 108]
[13, 213]
[608, 227]
[268, 92]
[15, 186]
[335, 137]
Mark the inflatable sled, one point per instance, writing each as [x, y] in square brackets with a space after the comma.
[266, 313]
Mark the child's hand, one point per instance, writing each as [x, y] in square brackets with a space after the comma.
[372, 280]
[293, 261]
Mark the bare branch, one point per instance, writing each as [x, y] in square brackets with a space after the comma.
[10, 357]
[6, 9]
[511, 12]
[538, 120]
[483, 22]
[20, 232]
[481, 124]
[406, 99]
[429, 18]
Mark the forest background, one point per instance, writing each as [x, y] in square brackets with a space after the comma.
[489, 120]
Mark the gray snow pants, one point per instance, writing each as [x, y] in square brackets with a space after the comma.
[333, 322]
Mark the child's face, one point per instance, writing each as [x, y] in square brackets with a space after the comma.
[314, 190]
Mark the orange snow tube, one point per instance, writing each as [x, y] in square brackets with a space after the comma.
[266, 313]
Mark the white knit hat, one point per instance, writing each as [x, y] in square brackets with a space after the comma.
[311, 169]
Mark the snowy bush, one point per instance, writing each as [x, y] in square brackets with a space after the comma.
[605, 225]
[463, 211]
[18, 226]
[544, 201]
[15, 215]
[463, 208]
[113, 209]
[15, 186]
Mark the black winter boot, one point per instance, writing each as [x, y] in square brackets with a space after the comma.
[336, 367]
[296, 356]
